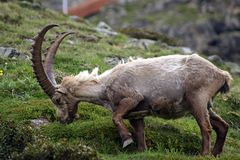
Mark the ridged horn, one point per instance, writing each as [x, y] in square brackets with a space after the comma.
[51, 52]
[42, 78]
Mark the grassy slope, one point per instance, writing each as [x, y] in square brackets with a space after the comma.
[22, 99]
[172, 16]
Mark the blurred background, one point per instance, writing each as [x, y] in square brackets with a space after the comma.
[211, 27]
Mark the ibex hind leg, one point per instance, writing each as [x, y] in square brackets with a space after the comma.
[139, 135]
[221, 129]
[199, 107]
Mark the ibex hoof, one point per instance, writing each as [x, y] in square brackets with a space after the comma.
[127, 142]
[76, 116]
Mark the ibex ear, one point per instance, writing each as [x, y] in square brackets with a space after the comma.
[95, 81]
[95, 72]
[71, 90]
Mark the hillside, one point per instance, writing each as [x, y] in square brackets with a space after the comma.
[93, 136]
[211, 27]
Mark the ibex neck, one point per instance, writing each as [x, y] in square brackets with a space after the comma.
[90, 92]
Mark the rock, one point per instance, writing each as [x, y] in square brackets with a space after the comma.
[70, 42]
[12, 53]
[183, 50]
[33, 5]
[140, 33]
[77, 18]
[205, 26]
[186, 50]
[29, 40]
[216, 59]
[139, 43]
[89, 38]
[112, 61]
[225, 45]
[102, 27]
[234, 68]
[37, 123]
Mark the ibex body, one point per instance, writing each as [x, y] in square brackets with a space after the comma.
[167, 87]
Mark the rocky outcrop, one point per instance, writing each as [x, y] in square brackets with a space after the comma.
[12, 53]
[210, 27]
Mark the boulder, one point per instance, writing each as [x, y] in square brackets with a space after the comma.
[234, 68]
[139, 43]
[104, 28]
[12, 53]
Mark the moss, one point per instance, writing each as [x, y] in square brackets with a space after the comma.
[99, 132]
[45, 149]
[20, 111]
[146, 34]
[13, 138]
[168, 137]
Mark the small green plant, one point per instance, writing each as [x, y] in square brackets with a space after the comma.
[13, 138]
[168, 138]
[43, 148]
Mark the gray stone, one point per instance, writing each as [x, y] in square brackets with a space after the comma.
[234, 68]
[89, 38]
[112, 61]
[216, 59]
[104, 28]
[140, 43]
[33, 5]
[70, 42]
[37, 123]
[12, 53]
[76, 18]
[186, 50]
[29, 41]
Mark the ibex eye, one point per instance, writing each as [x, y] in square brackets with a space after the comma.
[58, 100]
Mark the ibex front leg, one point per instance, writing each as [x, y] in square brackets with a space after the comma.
[125, 105]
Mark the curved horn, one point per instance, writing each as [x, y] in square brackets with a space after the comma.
[41, 76]
[51, 52]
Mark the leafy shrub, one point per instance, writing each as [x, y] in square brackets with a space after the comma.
[13, 138]
[146, 34]
[44, 149]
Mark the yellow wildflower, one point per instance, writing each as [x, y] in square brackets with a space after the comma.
[1, 72]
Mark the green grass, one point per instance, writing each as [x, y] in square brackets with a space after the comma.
[21, 98]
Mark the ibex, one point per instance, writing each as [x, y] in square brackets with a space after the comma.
[167, 86]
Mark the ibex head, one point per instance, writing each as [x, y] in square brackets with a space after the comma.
[65, 102]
